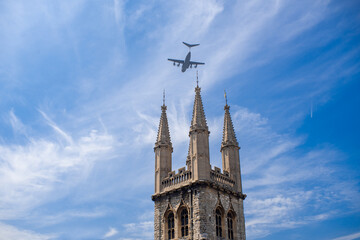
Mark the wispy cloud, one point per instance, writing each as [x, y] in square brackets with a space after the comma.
[34, 172]
[286, 187]
[9, 232]
[111, 232]
[44, 218]
[139, 230]
[56, 128]
[16, 124]
[283, 183]
[121, 85]
[349, 237]
[143, 228]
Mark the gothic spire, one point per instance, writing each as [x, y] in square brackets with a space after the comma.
[198, 117]
[163, 137]
[229, 137]
[198, 160]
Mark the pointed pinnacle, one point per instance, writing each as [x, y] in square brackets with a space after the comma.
[229, 137]
[163, 137]
[198, 117]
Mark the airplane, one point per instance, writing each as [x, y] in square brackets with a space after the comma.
[186, 63]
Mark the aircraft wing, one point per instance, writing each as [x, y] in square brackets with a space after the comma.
[196, 63]
[176, 60]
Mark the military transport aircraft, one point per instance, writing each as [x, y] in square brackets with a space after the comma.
[186, 63]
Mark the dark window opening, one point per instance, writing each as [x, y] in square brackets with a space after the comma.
[171, 226]
[218, 223]
[230, 221]
[184, 223]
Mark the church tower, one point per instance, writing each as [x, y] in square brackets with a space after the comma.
[198, 202]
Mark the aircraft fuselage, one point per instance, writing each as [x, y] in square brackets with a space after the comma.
[186, 62]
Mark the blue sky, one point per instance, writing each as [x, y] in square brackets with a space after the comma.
[81, 87]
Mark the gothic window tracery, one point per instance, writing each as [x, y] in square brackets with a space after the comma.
[170, 226]
[230, 226]
[218, 217]
[184, 223]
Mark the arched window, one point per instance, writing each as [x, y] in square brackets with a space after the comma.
[230, 226]
[218, 223]
[184, 223]
[171, 226]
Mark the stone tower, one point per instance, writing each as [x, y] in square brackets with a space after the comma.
[198, 202]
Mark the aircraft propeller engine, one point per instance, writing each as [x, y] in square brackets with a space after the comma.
[185, 63]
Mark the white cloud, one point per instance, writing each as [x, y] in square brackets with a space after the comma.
[19, 19]
[118, 11]
[8, 232]
[111, 232]
[255, 33]
[56, 128]
[130, 239]
[142, 230]
[224, 49]
[16, 124]
[287, 187]
[35, 172]
[349, 237]
[282, 182]
[42, 219]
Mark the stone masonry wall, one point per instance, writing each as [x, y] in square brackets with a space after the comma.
[202, 200]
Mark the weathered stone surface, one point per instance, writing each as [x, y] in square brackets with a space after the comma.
[202, 201]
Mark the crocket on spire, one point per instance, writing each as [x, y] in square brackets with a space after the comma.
[198, 117]
[229, 137]
[163, 137]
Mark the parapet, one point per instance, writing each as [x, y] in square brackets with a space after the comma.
[176, 179]
[183, 177]
[222, 178]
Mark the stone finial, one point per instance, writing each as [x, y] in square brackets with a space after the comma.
[198, 117]
[163, 136]
[229, 137]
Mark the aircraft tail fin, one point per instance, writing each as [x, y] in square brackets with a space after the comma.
[191, 45]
